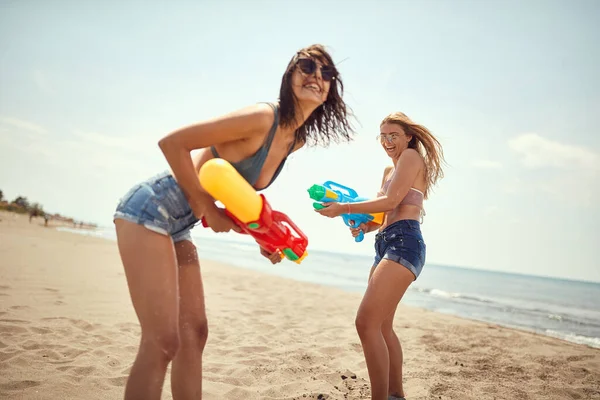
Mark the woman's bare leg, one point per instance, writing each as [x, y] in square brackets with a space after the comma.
[394, 351]
[186, 371]
[395, 355]
[150, 267]
[385, 290]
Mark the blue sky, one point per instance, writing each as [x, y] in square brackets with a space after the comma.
[510, 88]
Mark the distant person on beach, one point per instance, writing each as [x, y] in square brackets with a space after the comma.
[417, 158]
[154, 218]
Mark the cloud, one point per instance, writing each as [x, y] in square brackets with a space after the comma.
[539, 152]
[486, 164]
[94, 153]
[574, 175]
[14, 123]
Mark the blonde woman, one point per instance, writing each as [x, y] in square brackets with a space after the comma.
[417, 158]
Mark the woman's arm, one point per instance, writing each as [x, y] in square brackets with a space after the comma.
[372, 226]
[178, 145]
[409, 165]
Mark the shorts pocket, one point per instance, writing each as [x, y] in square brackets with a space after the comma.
[170, 201]
[412, 249]
[127, 196]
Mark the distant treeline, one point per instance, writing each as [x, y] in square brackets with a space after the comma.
[22, 205]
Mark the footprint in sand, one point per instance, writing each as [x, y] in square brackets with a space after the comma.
[259, 313]
[56, 292]
[20, 308]
[33, 345]
[332, 350]
[429, 338]
[53, 318]
[19, 385]
[440, 389]
[580, 358]
[253, 349]
[42, 331]
[84, 370]
[81, 324]
[99, 352]
[11, 329]
[13, 321]
[127, 327]
[119, 381]
[7, 355]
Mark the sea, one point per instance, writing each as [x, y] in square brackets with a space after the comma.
[561, 308]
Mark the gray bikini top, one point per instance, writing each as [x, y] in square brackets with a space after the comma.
[250, 167]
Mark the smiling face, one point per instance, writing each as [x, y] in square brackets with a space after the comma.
[311, 80]
[393, 139]
[310, 98]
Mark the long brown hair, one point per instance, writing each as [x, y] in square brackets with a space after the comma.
[425, 143]
[327, 122]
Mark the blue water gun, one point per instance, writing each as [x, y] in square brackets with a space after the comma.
[334, 192]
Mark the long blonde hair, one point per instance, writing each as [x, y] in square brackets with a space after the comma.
[425, 143]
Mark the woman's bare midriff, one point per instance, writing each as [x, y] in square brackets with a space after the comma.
[404, 211]
[400, 213]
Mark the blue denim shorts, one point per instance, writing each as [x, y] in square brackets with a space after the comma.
[402, 242]
[160, 205]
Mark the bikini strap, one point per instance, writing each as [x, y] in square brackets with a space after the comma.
[273, 127]
[269, 141]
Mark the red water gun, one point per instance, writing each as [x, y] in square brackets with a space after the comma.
[272, 230]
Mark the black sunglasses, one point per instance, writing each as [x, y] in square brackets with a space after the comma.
[309, 66]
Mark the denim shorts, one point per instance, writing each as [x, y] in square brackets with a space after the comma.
[160, 205]
[402, 242]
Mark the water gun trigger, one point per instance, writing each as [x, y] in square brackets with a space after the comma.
[355, 224]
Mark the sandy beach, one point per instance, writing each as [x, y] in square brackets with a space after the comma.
[68, 331]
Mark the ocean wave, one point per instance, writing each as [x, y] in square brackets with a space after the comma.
[453, 295]
[101, 233]
[577, 317]
[571, 337]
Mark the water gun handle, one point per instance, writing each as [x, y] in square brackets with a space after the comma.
[347, 218]
[230, 215]
[360, 237]
[355, 224]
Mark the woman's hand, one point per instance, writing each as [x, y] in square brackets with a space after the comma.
[274, 257]
[361, 228]
[218, 221]
[333, 210]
